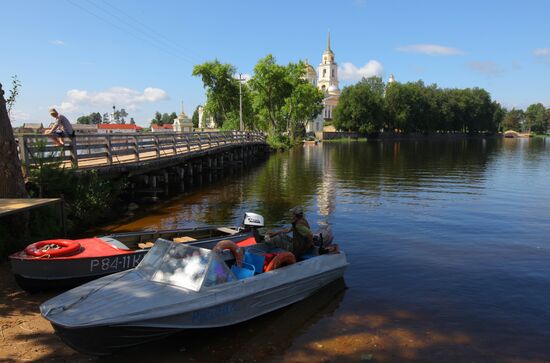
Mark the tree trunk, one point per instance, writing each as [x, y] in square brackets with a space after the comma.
[13, 228]
[12, 184]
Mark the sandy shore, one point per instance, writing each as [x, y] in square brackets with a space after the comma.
[309, 331]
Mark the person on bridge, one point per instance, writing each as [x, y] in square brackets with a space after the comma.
[61, 129]
[302, 237]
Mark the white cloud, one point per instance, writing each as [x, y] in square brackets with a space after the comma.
[542, 52]
[19, 116]
[57, 42]
[121, 97]
[429, 49]
[66, 107]
[542, 55]
[349, 72]
[486, 68]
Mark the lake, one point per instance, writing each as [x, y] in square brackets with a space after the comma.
[448, 244]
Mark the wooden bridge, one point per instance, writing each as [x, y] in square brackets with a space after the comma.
[139, 153]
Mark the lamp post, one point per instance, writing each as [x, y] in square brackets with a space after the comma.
[241, 125]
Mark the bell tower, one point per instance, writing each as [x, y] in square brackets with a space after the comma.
[328, 70]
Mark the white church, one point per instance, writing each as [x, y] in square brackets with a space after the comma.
[326, 81]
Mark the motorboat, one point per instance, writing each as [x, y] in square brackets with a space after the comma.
[178, 287]
[64, 263]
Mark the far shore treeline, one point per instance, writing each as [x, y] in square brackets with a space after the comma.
[370, 106]
[277, 99]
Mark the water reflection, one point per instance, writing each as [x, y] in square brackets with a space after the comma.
[453, 233]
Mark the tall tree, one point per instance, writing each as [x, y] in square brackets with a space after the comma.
[282, 96]
[536, 117]
[222, 89]
[361, 107]
[13, 229]
[513, 120]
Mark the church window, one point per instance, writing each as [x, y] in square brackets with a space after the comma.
[324, 72]
[333, 72]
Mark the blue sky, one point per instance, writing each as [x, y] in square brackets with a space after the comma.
[88, 55]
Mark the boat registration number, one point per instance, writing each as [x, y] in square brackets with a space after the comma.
[115, 263]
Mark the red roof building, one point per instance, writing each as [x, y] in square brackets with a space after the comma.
[112, 128]
[163, 128]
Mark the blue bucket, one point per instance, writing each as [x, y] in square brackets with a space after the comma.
[255, 260]
[243, 272]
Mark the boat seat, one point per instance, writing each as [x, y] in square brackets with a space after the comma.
[183, 239]
[227, 230]
[144, 245]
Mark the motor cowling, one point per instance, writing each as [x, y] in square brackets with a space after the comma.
[253, 220]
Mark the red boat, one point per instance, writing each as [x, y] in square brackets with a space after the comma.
[64, 263]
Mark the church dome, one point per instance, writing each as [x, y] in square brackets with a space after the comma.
[333, 89]
[310, 71]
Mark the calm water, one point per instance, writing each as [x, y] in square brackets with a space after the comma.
[449, 245]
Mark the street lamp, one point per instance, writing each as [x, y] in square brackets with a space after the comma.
[241, 125]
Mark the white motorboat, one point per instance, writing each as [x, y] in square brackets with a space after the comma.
[177, 287]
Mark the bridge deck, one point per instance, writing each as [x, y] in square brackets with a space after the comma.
[112, 151]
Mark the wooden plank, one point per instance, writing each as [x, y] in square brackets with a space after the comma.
[15, 205]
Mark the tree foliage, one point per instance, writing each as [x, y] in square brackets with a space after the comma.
[222, 89]
[282, 97]
[361, 107]
[93, 118]
[161, 119]
[513, 120]
[14, 92]
[537, 117]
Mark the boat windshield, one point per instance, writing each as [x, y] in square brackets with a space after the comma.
[183, 265]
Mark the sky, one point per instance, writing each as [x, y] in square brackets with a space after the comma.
[85, 56]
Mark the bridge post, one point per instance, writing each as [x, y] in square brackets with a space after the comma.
[72, 151]
[174, 145]
[24, 155]
[157, 146]
[181, 172]
[187, 141]
[136, 148]
[109, 149]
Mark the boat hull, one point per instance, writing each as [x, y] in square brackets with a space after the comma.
[37, 274]
[104, 339]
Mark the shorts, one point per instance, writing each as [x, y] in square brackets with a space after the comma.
[61, 133]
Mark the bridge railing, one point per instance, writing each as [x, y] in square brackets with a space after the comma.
[99, 150]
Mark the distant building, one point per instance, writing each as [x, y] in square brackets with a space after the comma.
[326, 81]
[84, 129]
[183, 122]
[118, 128]
[163, 128]
[32, 128]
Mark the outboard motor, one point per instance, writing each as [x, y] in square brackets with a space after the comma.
[251, 222]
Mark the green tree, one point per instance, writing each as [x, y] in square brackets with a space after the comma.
[361, 107]
[157, 120]
[83, 120]
[93, 118]
[513, 120]
[195, 117]
[537, 118]
[120, 116]
[222, 89]
[282, 97]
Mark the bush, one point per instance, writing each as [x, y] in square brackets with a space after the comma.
[279, 142]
